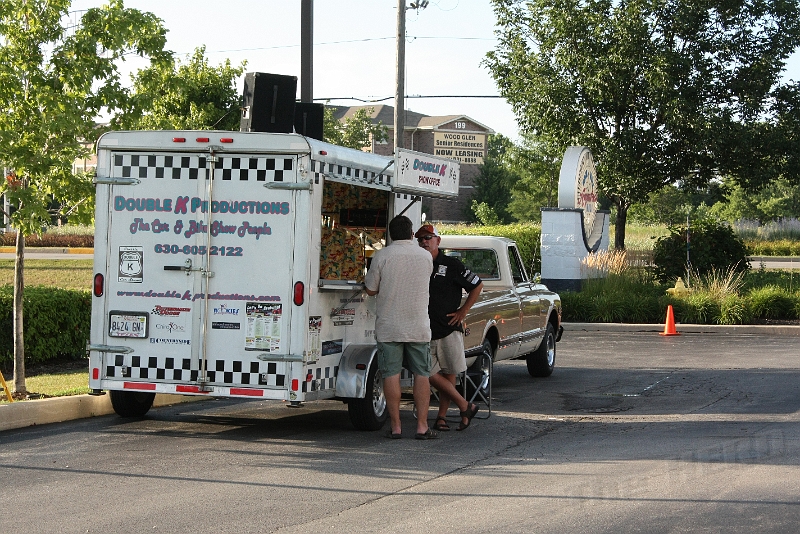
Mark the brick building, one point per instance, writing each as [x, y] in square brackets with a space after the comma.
[456, 137]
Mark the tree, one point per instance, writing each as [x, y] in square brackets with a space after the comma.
[780, 199]
[184, 96]
[53, 83]
[537, 164]
[492, 187]
[356, 132]
[661, 91]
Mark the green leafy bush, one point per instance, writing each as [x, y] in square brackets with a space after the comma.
[56, 323]
[712, 246]
[526, 235]
[783, 247]
[48, 239]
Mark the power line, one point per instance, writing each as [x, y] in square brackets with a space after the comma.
[279, 47]
[407, 96]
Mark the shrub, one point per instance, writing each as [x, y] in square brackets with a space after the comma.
[712, 246]
[771, 302]
[48, 239]
[527, 236]
[696, 308]
[733, 309]
[56, 323]
[574, 308]
[781, 247]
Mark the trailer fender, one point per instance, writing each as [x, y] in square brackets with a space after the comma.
[351, 381]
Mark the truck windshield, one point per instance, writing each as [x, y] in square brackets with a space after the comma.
[481, 261]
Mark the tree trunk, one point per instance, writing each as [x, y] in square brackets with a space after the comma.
[619, 226]
[19, 340]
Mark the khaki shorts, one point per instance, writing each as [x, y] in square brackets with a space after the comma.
[447, 354]
[393, 356]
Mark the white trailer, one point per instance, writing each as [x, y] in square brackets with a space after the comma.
[230, 264]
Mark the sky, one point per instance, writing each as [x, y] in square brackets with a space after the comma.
[354, 49]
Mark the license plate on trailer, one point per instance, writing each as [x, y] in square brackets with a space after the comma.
[127, 324]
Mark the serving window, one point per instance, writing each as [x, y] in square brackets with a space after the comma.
[354, 220]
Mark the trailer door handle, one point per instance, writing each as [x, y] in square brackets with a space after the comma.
[187, 267]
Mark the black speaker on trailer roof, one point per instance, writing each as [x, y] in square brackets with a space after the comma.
[268, 103]
[308, 119]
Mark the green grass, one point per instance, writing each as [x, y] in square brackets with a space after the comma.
[59, 384]
[65, 274]
[73, 380]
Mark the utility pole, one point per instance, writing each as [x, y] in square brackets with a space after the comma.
[399, 111]
[307, 51]
[399, 94]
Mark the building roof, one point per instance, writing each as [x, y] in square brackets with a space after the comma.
[385, 114]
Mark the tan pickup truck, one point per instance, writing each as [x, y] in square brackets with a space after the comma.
[515, 317]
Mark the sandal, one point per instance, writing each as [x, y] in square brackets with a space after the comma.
[428, 434]
[470, 412]
[441, 426]
[392, 435]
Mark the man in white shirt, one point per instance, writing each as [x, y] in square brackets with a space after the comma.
[399, 276]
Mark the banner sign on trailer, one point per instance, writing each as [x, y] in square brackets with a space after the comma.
[417, 173]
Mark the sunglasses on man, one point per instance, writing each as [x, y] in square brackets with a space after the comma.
[425, 238]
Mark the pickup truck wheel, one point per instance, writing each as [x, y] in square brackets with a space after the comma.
[542, 361]
[370, 412]
[480, 372]
[131, 403]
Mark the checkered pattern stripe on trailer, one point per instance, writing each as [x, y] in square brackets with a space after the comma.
[348, 174]
[181, 370]
[321, 379]
[194, 166]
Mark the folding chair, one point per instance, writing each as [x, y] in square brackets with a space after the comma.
[476, 387]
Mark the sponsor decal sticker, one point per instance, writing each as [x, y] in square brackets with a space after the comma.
[165, 341]
[218, 325]
[131, 265]
[170, 327]
[333, 346]
[167, 311]
[223, 309]
[344, 316]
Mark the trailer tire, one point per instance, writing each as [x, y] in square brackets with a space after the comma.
[370, 413]
[131, 403]
[542, 361]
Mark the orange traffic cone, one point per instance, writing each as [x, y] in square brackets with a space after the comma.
[669, 326]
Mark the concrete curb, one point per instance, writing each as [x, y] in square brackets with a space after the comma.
[776, 330]
[49, 250]
[21, 414]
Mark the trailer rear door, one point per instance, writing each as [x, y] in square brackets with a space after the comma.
[199, 272]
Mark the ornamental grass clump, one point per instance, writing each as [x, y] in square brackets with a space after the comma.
[772, 302]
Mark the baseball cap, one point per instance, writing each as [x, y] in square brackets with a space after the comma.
[426, 229]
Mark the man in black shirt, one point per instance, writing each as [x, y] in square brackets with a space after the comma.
[447, 315]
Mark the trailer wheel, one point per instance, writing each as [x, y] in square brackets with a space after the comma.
[131, 403]
[480, 373]
[542, 361]
[370, 412]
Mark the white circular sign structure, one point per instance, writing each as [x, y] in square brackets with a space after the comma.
[577, 184]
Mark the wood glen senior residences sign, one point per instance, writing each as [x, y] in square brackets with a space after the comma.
[462, 147]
